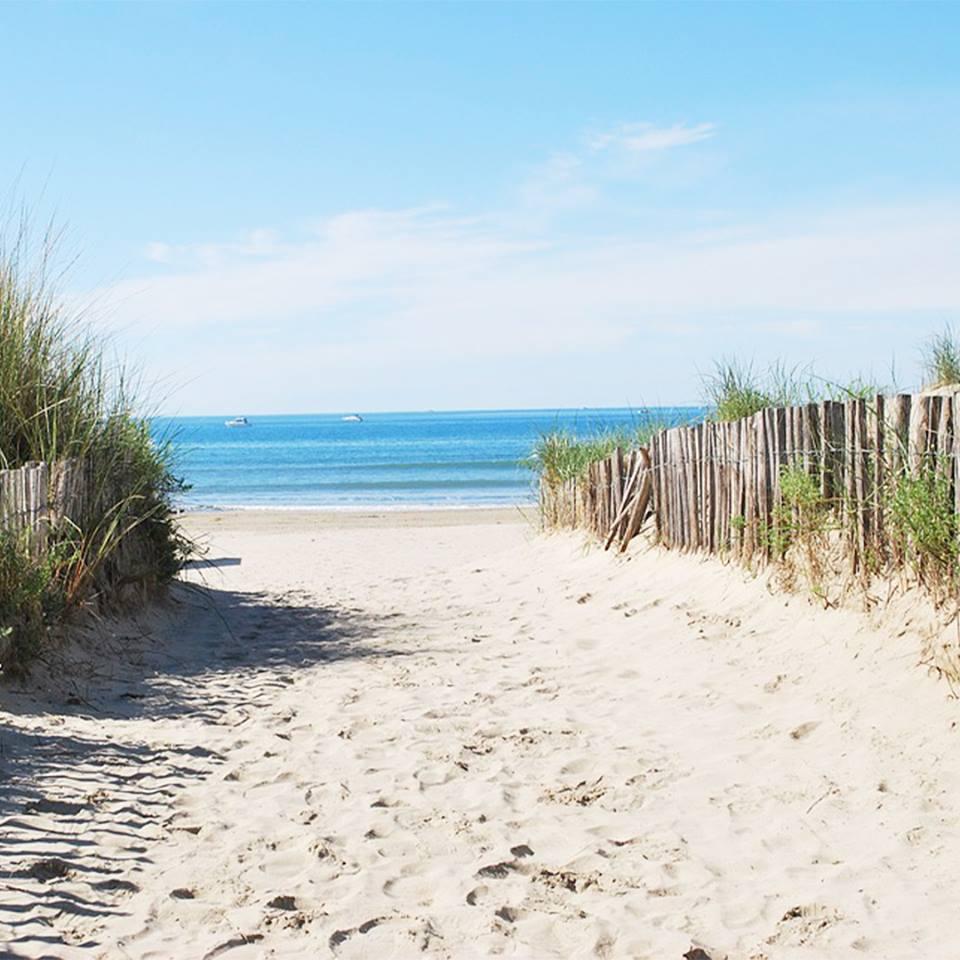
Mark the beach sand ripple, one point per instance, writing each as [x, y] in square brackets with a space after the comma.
[468, 740]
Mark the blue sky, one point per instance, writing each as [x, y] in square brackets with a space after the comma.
[301, 207]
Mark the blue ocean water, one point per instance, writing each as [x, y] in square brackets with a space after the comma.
[445, 459]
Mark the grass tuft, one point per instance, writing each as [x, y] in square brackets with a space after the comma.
[61, 400]
[941, 359]
[561, 455]
[926, 526]
[735, 389]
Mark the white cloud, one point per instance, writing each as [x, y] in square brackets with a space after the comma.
[560, 184]
[574, 179]
[158, 252]
[646, 137]
[401, 304]
[255, 243]
[451, 284]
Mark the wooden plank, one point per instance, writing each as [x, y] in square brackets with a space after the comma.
[877, 421]
[945, 429]
[672, 487]
[740, 506]
[641, 502]
[655, 479]
[682, 501]
[784, 452]
[955, 452]
[669, 487]
[763, 476]
[917, 430]
[863, 472]
[616, 486]
[631, 466]
[707, 461]
[826, 459]
[685, 473]
[812, 423]
[897, 439]
[850, 513]
[696, 490]
[838, 429]
[750, 487]
[725, 485]
[700, 471]
[626, 502]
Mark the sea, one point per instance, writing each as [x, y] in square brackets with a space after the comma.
[445, 459]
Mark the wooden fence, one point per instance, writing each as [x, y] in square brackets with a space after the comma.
[611, 501]
[716, 487]
[37, 496]
[39, 499]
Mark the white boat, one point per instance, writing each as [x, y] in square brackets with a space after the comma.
[352, 418]
[237, 422]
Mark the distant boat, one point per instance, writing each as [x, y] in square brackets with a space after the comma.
[237, 422]
[352, 418]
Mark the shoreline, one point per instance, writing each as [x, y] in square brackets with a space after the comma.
[298, 519]
[202, 508]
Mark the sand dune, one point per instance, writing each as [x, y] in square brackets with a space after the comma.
[466, 740]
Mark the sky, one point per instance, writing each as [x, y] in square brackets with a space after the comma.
[399, 206]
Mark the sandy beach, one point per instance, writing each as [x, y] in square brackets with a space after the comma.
[446, 735]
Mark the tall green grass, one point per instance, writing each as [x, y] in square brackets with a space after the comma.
[941, 359]
[735, 389]
[562, 455]
[62, 400]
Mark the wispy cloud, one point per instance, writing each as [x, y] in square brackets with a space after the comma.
[388, 306]
[647, 138]
[255, 243]
[579, 176]
[383, 301]
[561, 183]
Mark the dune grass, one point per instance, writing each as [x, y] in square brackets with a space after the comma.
[941, 359]
[61, 400]
[735, 389]
[562, 455]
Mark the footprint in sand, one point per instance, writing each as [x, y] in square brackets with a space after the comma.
[496, 871]
[476, 894]
[283, 902]
[798, 733]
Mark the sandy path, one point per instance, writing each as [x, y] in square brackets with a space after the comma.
[469, 741]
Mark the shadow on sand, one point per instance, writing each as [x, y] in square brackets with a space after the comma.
[81, 799]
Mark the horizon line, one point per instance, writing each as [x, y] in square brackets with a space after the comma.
[441, 410]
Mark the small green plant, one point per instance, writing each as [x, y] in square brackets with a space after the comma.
[858, 388]
[798, 535]
[941, 359]
[800, 491]
[925, 523]
[734, 390]
[562, 455]
[31, 595]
